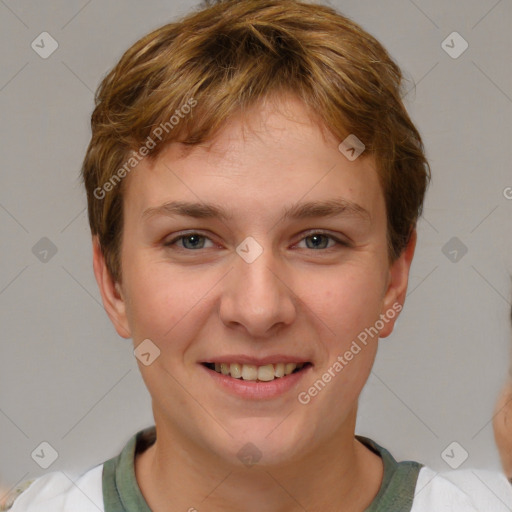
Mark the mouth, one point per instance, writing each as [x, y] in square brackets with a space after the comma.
[255, 373]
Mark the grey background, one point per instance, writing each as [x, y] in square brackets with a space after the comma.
[67, 378]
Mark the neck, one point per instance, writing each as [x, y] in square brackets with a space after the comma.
[174, 474]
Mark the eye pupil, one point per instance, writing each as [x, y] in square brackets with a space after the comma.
[313, 241]
[317, 240]
[195, 240]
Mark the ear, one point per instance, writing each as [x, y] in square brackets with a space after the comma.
[111, 293]
[397, 286]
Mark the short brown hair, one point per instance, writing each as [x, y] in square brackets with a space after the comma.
[230, 55]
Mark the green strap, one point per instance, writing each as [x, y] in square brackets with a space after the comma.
[396, 492]
[121, 492]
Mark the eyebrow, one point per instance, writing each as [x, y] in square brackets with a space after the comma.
[327, 208]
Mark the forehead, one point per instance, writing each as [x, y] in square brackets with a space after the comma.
[271, 155]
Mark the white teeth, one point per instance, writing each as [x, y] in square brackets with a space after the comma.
[279, 370]
[236, 370]
[266, 372]
[289, 367]
[252, 372]
[249, 372]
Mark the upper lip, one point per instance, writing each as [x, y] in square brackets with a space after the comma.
[257, 361]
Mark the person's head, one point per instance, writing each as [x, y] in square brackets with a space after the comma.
[502, 424]
[240, 108]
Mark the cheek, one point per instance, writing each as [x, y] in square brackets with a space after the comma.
[347, 300]
[159, 299]
[343, 304]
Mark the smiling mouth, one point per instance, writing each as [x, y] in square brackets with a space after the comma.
[256, 373]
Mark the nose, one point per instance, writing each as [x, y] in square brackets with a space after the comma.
[257, 297]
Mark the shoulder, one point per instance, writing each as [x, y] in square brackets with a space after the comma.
[57, 492]
[469, 490]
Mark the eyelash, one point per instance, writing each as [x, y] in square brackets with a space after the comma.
[337, 241]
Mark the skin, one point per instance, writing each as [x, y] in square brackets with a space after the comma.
[502, 425]
[195, 304]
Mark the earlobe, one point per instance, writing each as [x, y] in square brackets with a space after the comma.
[111, 292]
[397, 286]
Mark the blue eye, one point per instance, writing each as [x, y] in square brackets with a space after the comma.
[190, 241]
[196, 241]
[318, 239]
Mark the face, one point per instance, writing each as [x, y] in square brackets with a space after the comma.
[292, 273]
[502, 425]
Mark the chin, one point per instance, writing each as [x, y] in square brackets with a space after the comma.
[264, 442]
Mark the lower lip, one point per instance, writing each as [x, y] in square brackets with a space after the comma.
[258, 390]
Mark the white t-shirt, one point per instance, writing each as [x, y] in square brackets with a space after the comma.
[407, 487]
